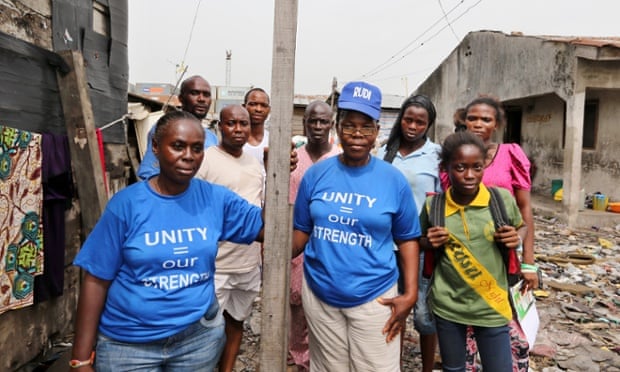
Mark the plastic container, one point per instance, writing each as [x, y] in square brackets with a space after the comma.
[599, 202]
[555, 186]
[614, 207]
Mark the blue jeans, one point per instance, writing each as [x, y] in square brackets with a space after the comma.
[422, 315]
[196, 348]
[493, 345]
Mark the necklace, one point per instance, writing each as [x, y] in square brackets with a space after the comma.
[171, 190]
[155, 185]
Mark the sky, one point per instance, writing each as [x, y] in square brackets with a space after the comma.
[394, 44]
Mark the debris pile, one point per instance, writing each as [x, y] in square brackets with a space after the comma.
[578, 304]
[580, 299]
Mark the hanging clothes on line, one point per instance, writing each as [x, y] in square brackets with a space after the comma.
[21, 233]
[57, 195]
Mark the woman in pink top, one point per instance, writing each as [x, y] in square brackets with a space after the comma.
[507, 166]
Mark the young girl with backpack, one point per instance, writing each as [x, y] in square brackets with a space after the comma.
[470, 284]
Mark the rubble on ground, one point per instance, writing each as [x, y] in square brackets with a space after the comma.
[577, 305]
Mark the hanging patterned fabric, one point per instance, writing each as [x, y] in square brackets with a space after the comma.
[21, 229]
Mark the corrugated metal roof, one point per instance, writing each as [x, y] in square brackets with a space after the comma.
[392, 101]
[156, 99]
[612, 41]
[596, 41]
[388, 100]
[305, 99]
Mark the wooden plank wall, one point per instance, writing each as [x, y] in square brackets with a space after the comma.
[29, 97]
[105, 57]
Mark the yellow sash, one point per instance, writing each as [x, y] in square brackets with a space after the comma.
[477, 277]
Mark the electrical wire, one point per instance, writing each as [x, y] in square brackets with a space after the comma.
[390, 62]
[372, 71]
[182, 68]
[191, 33]
[448, 21]
[399, 76]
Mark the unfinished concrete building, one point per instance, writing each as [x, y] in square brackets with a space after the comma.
[562, 99]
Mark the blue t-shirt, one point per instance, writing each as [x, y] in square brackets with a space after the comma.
[420, 168]
[149, 166]
[353, 215]
[159, 254]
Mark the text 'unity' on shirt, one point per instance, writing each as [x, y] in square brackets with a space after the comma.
[175, 236]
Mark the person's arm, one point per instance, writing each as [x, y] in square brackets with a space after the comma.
[521, 184]
[524, 203]
[300, 239]
[92, 298]
[149, 166]
[525, 207]
[293, 157]
[261, 234]
[409, 252]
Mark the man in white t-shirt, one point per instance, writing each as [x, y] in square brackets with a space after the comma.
[256, 101]
[237, 266]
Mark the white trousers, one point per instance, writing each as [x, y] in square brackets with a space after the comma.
[350, 339]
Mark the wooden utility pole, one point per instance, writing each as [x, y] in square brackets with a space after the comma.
[278, 229]
[80, 123]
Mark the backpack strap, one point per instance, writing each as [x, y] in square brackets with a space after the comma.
[437, 213]
[436, 217]
[498, 209]
[500, 218]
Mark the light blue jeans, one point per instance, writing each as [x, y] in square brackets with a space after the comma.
[493, 345]
[423, 319]
[196, 348]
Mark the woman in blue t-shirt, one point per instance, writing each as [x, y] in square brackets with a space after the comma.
[147, 299]
[349, 211]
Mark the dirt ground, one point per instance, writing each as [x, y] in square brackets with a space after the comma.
[248, 359]
[579, 307]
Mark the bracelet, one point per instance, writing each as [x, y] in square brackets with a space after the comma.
[74, 363]
[529, 268]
